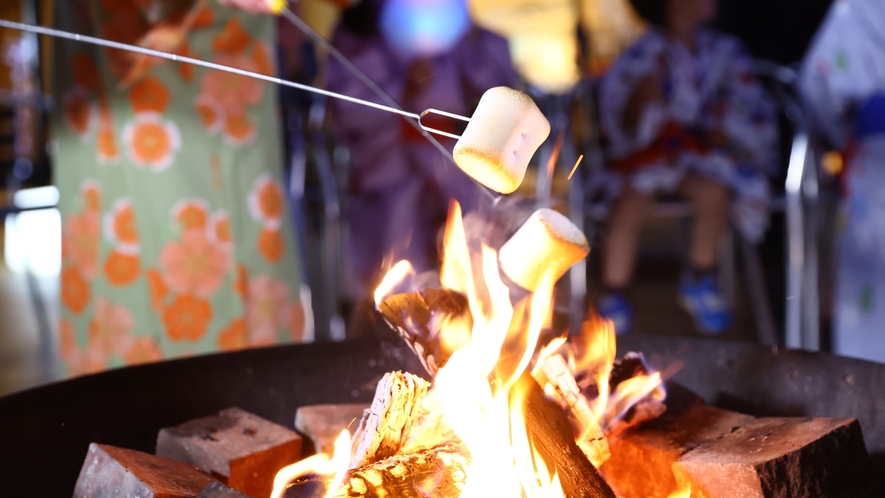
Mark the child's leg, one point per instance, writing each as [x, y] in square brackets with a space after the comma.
[619, 254]
[711, 200]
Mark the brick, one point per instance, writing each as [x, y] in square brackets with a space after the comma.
[322, 424]
[641, 463]
[782, 458]
[218, 490]
[726, 454]
[111, 471]
[242, 450]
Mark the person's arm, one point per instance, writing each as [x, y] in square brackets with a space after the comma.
[169, 33]
[632, 103]
[646, 93]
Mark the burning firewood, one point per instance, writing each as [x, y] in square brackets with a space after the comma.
[545, 422]
[416, 317]
[435, 472]
[386, 424]
[588, 434]
[552, 435]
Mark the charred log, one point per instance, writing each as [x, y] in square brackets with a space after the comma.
[416, 317]
[551, 434]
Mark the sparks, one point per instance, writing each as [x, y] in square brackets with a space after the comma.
[575, 168]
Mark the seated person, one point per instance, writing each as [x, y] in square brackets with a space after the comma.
[843, 82]
[685, 115]
[428, 55]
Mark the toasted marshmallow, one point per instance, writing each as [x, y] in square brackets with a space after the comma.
[503, 134]
[547, 241]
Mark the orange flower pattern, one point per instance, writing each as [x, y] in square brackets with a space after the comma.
[152, 141]
[271, 245]
[193, 265]
[149, 95]
[111, 328]
[149, 268]
[80, 242]
[267, 201]
[120, 228]
[121, 269]
[187, 318]
[234, 337]
[218, 231]
[106, 145]
[232, 39]
[269, 308]
[67, 339]
[75, 290]
[157, 288]
[79, 112]
[143, 350]
[191, 214]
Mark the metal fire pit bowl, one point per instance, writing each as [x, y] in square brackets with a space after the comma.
[44, 432]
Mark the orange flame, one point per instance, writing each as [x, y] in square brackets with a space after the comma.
[629, 392]
[401, 273]
[477, 402]
[320, 464]
[595, 353]
[476, 388]
[684, 490]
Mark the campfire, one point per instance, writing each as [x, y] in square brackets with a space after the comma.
[508, 406]
[485, 425]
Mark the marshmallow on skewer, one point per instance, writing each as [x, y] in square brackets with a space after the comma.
[547, 241]
[504, 132]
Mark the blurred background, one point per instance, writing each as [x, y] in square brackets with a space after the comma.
[779, 289]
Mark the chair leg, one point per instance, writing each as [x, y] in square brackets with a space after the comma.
[763, 315]
[726, 270]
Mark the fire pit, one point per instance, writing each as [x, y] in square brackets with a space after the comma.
[45, 432]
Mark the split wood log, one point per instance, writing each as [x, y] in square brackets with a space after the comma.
[416, 317]
[438, 472]
[585, 427]
[724, 454]
[551, 434]
[429, 428]
[386, 424]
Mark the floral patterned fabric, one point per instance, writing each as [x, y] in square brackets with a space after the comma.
[712, 88]
[842, 75]
[176, 237]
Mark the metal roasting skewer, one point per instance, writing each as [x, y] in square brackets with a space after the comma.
[220, 67]
[384, 96]
[413, 118]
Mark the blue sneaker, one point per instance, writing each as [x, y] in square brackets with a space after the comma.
[615, 307]
[705, 303]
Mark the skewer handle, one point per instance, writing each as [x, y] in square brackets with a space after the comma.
[57, 33]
